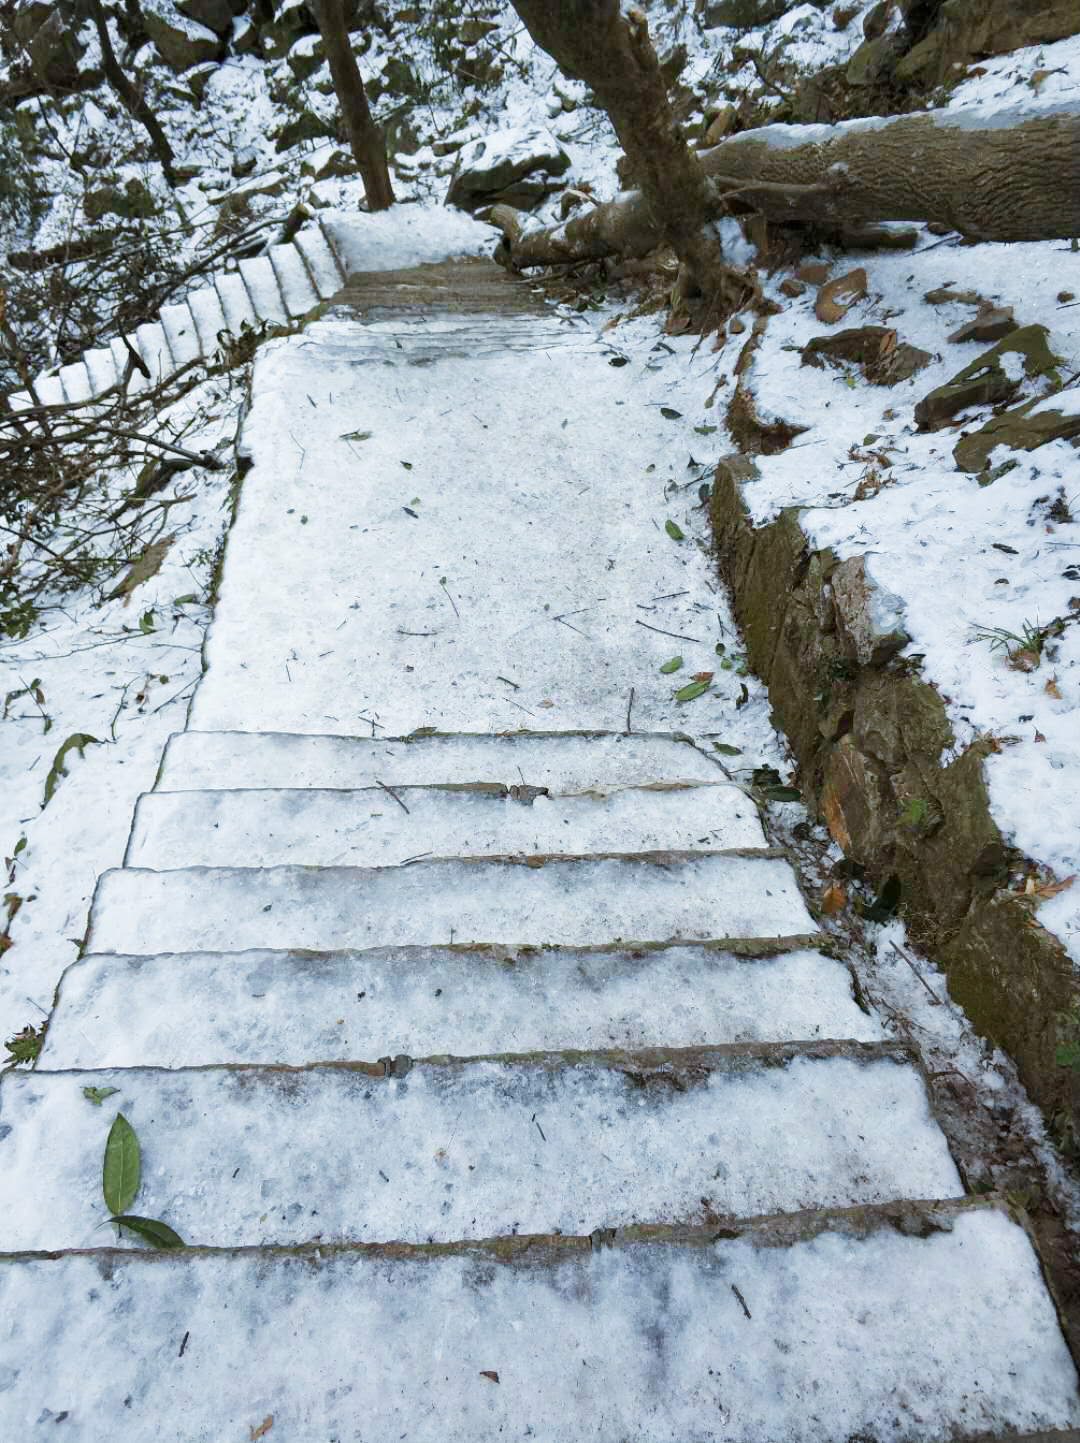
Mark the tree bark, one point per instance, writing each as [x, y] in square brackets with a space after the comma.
[368, 147]
[131, 96]
[593, 41]
[1002, 177]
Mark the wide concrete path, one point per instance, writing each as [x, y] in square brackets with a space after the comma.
[498, 1080]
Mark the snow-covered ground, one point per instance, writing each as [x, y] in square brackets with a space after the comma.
[965, 559]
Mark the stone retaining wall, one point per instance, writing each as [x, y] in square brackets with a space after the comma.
[873, 742]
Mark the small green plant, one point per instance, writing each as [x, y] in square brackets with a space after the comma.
[121, 1176]
[915, 812]
[1023, 649]
[24, 1046]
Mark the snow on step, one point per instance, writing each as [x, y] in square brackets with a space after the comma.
[315, 249]
[179, 326]
[101, 365]
[468, 1150]
[547, 557]
[209, 317]
[560, 761]
[153, 346]
[297, 1007]
[568, 903]
[50, 391]
[917, 1323]
[75, 380]
[371, 828]
[261, 281]
[296, 288]
[235, 302]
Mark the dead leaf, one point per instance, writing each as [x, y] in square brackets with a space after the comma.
[547, 702]
[836, 297]
[1051, 688]
[833, 899]
[148, 565]
[1050, 889]
[489, 1373]
[264, 1427]
[702, 676]
[888, 343]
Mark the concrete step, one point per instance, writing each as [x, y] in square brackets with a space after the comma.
[663, 896]
[451, 1149]
[262, 284]
[179, 325]
[191, 1009]
[75, 380]
[323, 266]
[922, 1321]
[209, 317]
[153, 345]
[560, 761]
[294, 282]
[235, 302]
[425, 340]
[375, 827]
[101, 365]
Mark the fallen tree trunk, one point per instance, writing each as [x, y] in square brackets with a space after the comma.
[994, 176]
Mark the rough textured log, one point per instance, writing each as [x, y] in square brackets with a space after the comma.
[995, 176]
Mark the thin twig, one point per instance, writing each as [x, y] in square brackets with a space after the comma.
[204, 458]
[449, 598]
[661, 632]
[508, 682]
[395, 796]
[934, 998]
[629, 709]
[741, 1299]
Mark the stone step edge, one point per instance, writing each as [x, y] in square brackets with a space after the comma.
[658, 1063]
[532, 860]
[920, 1217]
[423, 734]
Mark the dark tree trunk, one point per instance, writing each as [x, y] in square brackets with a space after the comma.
[612, 54]
[130, 96]
[368, 147]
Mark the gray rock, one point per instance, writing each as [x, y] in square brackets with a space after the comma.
[501, 163]
[742, 14]
[874, 61]
[180, 42]
[216, 15]
[869, 620]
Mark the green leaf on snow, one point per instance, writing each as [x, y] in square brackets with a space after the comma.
[695, 688]
[669, 414]
[726, 749]
[120, 1170]
[78, 740]
[97, 1095]
[704, 430]
[158, 1234]
[674, 531]
[672, 665]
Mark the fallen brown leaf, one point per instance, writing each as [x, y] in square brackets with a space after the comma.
[702, 676]
[1051, 688]
[833, 899]
[264, 1427]
[489, 1373]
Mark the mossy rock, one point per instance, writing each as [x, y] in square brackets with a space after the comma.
[1021, 429]
[985, 381]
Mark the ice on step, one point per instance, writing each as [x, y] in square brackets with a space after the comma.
[469, 1150]
[840, 1335]
[297, 1007]
[568, 903]
[372, 828]
[560, 761]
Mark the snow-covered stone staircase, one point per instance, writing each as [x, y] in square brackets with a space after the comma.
[499, 1082]
[283, 283]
